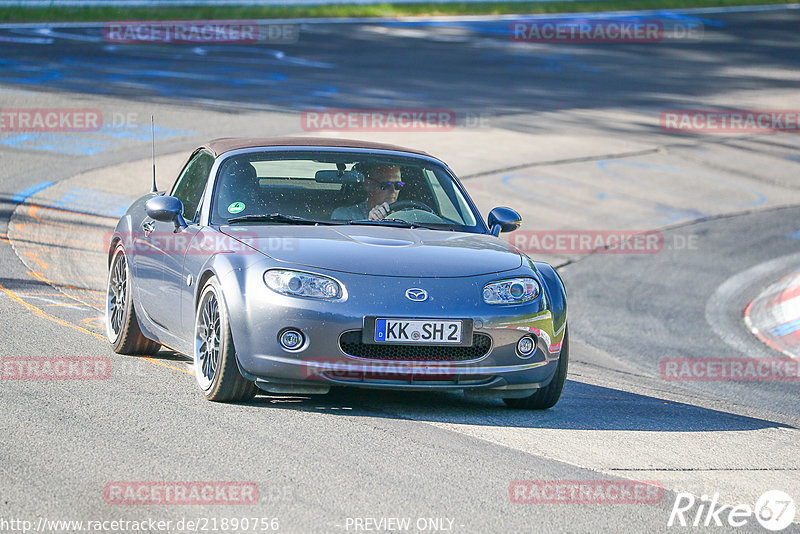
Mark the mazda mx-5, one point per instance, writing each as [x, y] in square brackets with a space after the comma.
[294, 265]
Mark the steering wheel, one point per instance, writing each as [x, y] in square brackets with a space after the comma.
[409, 205]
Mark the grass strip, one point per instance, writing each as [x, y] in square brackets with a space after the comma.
[211, 12]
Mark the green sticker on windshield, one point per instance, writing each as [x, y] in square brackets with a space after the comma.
[236, 207]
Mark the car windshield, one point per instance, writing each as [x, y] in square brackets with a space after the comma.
[340, 188]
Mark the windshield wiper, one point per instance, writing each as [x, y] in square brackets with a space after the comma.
[396, 223]
[278, 217]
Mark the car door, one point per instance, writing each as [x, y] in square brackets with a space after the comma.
[162, 272]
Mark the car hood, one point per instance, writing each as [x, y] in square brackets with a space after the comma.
[382, 251]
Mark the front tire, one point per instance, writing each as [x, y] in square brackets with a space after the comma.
[215, 364]
[122, 327]
[547, 396]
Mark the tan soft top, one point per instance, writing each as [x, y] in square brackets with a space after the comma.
[226, 144]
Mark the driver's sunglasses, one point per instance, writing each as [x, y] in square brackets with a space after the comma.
[389, 185]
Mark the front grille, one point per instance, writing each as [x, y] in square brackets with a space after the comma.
[350, 343]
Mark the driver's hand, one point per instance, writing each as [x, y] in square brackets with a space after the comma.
[379, 212]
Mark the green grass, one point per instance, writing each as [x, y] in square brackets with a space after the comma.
[97, 14]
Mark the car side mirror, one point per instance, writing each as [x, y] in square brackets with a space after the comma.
[166, 209]
[503, 220]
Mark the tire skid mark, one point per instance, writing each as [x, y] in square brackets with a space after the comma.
[94, 322]
[29, 244]
[33, 209]
[89, 298]
[34, 294]
[35, 258]
[65, 286]
[153, 360]
[44, 315]
[56, 304]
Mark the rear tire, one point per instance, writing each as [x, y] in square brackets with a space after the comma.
[547, 396]
[122, 327]
[215, 364]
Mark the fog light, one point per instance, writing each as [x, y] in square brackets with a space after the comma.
[291, 339]
[526, 346]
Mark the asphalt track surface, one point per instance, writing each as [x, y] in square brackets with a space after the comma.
[567, 134]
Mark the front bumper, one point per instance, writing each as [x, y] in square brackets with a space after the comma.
[258, 315]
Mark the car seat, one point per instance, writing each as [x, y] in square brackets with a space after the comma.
[239, 184]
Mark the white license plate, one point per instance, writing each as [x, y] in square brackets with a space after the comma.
[417, 331]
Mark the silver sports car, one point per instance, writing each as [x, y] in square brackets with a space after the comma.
[294, 265]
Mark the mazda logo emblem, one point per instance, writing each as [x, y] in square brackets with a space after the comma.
[417, 295]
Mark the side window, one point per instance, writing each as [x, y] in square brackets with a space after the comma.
[192, 182]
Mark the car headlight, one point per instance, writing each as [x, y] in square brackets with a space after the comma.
[511, 291]
[298, 284]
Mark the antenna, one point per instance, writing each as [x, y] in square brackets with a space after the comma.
[153, 132]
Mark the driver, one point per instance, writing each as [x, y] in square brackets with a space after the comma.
[382, 183]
